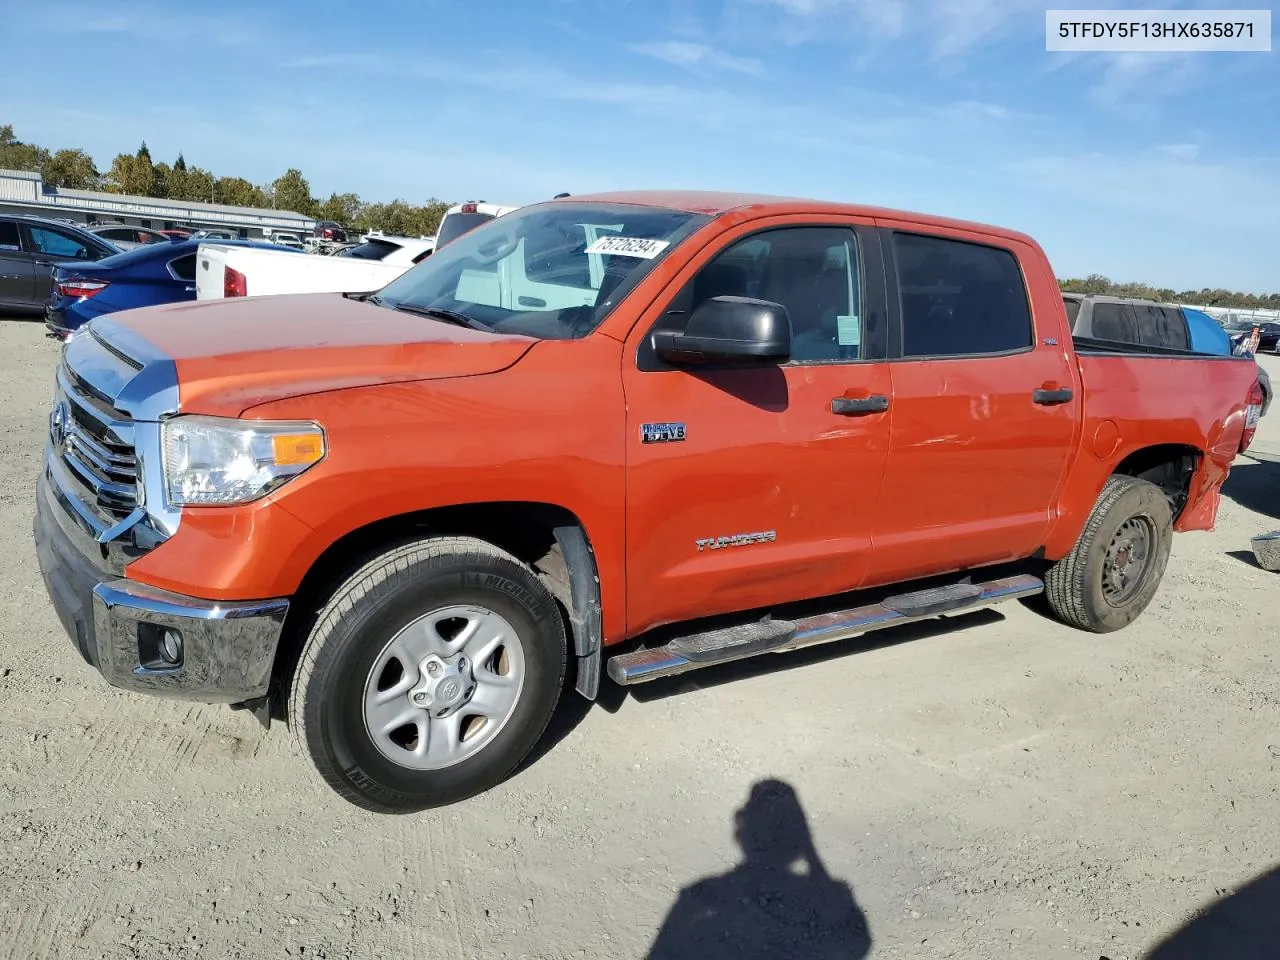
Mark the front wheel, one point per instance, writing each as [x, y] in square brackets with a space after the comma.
[429, 675]
[1116, 565]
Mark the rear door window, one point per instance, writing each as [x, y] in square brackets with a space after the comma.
[9, 239]
[959, 298]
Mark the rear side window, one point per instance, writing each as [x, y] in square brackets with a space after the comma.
[1112, 321]
[1141, 323]
[184, 268]
[9, 239]
[1173, 328]
[959, 298]
[1073, 311]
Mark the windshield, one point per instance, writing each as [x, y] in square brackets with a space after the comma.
[552, 271]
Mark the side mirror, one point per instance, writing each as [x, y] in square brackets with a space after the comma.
[729, 330]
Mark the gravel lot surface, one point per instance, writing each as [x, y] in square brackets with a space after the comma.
[999, 786]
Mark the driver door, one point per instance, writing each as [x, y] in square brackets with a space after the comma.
[745, 489]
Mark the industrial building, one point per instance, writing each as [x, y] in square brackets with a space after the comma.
[24, 192]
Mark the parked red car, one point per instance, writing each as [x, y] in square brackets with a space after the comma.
[330, 230]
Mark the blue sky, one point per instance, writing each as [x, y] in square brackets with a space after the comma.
[1155, 167]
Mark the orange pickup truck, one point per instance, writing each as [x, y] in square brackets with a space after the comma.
[627, 434]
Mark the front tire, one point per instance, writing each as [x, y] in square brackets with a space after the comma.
[429, 675]
[1116, 565]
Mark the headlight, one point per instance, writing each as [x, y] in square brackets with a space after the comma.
[212, 461]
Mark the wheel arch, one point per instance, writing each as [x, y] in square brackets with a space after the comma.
[549, 538]
[1170, 466]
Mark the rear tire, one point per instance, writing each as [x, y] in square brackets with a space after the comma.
[429, 675]
[1116, 565]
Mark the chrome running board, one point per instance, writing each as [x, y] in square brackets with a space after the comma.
[780, 636]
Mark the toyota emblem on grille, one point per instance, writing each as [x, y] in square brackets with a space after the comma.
[59, 423]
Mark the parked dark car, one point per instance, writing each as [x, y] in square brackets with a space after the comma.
[1269, 331]
[330, 230]
[148, 275]
[30, 247]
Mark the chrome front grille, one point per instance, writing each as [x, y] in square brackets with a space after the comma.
[102, 460]
[93, 443]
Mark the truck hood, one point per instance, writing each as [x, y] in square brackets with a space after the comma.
[234, 354]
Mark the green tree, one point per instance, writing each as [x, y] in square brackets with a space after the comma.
[197, 184]
[16, 155]
[343, 208]
[180, 164]
[403, 218]
[292, 192]
[239, 192]
[70, 168]
[429, 216]
[134, 174]
[162, 175]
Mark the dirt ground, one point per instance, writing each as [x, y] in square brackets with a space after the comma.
[997, 786]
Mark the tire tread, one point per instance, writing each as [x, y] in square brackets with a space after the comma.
[1065, 583]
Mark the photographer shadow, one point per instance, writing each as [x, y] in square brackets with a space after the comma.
[765, 907]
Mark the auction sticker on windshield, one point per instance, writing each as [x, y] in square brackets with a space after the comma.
[629, 247]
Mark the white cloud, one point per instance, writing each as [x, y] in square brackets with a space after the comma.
[684, 53]
[949, 28]
[1142, 76]
[1180, 151]
[158, 26]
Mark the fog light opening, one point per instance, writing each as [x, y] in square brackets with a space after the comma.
[159, 648]
[171, 647]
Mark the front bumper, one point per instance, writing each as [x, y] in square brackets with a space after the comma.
[227, 649]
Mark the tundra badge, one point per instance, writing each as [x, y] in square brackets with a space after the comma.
[736, 540]
[661, 432]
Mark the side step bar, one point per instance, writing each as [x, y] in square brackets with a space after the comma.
[779, 636]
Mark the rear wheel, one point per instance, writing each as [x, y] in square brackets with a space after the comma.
[429, 676]
[1116, 565]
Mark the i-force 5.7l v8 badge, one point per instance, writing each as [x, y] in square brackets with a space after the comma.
[661, 432]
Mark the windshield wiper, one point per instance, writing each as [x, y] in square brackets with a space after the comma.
[439, 313]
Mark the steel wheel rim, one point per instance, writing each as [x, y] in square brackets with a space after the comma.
[443, 687]
[1128, 560]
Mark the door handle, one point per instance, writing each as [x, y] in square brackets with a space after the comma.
[531, 301]
[853, 406]
[189, 289]
[1051, 396]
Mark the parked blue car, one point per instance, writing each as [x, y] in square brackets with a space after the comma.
[148, 275]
